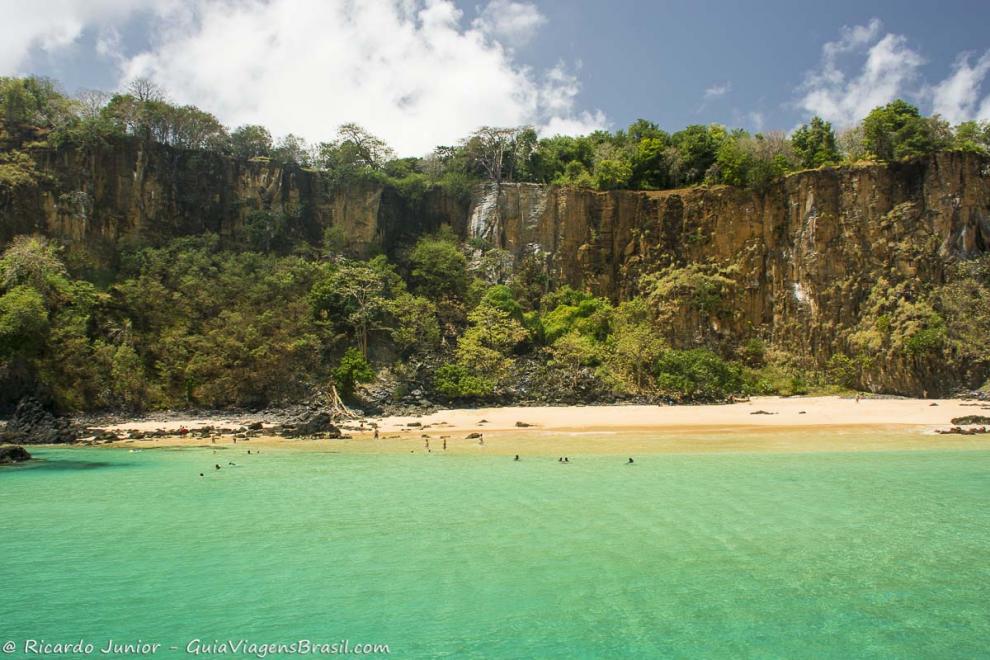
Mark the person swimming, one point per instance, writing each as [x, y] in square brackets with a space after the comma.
[217, 466]
[567, 460]
[516, 458]
[201, 474]
[629, 462]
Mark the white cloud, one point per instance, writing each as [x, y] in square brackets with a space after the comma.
[756, 120]
[891, 67]
[513, 23]
[406, 70]
[717, 91]
[412, 71]
[957, 98]
[51, 25]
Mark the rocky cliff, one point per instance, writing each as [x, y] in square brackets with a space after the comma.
[803, 256]
[131, 192]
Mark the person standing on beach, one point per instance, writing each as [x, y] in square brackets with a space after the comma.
[445, 444]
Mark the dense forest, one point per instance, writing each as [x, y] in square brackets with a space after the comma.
[202, 322]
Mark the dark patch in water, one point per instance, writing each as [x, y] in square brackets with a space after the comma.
[60, 465]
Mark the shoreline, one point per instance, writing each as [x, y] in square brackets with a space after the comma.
[763, 424]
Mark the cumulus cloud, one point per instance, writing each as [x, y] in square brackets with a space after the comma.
[513, 23]
[717, 91]
[957, 98]
[890, 69]
[412, 71]
[51, 25]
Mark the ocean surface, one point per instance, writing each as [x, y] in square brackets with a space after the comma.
[817, 555]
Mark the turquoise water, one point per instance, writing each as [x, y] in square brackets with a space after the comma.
[761, 555]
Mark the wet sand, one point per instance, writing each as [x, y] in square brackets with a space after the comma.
[794, 425]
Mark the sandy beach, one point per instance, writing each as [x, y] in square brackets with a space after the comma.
[761, 424]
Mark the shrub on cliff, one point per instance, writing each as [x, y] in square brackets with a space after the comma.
[575, 311]
[697, 375]
[23, 322]
[458, 382]
[438, 268]
[352, 369]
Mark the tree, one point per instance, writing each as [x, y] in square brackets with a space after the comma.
[439, 268]
[32, 261]
[972, 136]
[291, 149]
[251, 141]
[634, 345]
[352, 369]
[497, 151]
[355, 294]
[144, 89]
[23, 321]
[696, 148]
[611, 174]
[650, 165]
[815, 144]
[896, 131]
[33, 102]
[697, 374]
[354, 151]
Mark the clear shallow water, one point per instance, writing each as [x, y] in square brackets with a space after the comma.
[718, 555]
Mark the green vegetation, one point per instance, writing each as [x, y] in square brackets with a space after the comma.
[643, 156]
[262, 319]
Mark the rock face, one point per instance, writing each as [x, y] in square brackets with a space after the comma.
[32, 424]
[803, 255]
[132, 192]
[312, 424]
[13, 454]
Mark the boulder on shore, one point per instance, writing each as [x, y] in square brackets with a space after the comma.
[971, 419]
[315, 423]
[33, 424]
[13, 454]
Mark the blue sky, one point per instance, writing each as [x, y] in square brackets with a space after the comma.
[425, 72]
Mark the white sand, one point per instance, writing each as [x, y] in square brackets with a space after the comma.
[792, 411]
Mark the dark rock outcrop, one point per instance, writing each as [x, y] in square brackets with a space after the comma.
[13, 454]
[971, 419]
[318, 423]
[33, 424]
